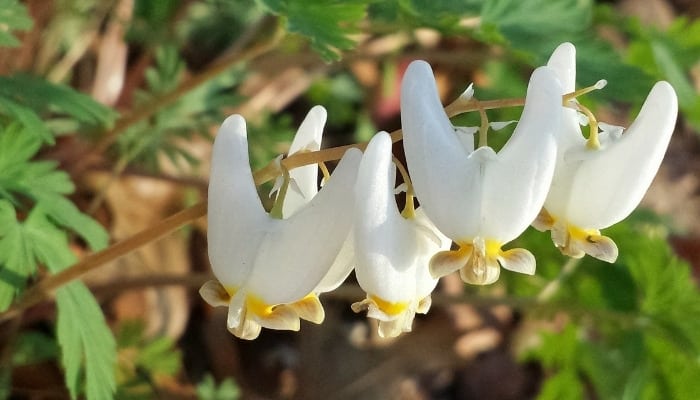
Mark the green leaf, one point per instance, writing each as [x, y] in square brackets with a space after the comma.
[88, 349]
[21, 177]
[538, 24]
[327, 23]
[226, 390]
[33, 347]
[13, 16]
[564, 384]
[46, 98]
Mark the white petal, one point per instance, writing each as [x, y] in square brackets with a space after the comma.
[307, 138]
[214, 294]
[341, 268]
[563, 61]
[298, 252]
[236, 218]
[518, 260]
[383, 241]
[611, 182]
[445, 183]
[516, 184]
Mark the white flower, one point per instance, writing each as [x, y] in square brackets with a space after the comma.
[478, 198]
[392, 250]
[593, 189]
[268, 269]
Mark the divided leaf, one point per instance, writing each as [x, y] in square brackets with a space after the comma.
[88, 349]
[327, 23]
[13, 16]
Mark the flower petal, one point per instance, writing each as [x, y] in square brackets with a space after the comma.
[236, 218]
[307, 138]
[610, 182]
[298, 252]
[518, 260]
[341, 268]
[447, 186]
[381, 235]
[214, 294]
[309, 308]
[516, 183]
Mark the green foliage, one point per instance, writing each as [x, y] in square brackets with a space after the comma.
[23, 178]
[33, 347]
[168, 132]
[669, 55]
[13, 16]
[327, 23]
[143, 361]
[34, 214]
[631, 325]
[88, 348]
[207, 389]
[528, 25]
[29, 100]
[444, 15]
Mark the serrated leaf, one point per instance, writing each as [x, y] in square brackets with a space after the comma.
[536, 24]
[564, 384]
[28, 118]
[20, 176]
[44, 97]
[33, 347]
[13, 16]
[327, 23]
[88, 348]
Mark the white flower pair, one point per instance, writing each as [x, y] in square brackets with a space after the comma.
[547, 174]
[272, 269]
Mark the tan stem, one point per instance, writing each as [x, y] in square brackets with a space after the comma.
[218, 67]
[42, 289]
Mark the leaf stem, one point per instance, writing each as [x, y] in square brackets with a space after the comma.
[41, 290]
[239, 53]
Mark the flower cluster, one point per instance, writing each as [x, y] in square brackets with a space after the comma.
[271, 266]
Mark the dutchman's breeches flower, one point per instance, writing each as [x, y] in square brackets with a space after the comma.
[596, 185]
[392, 250]
[479, 198]
[269, 268]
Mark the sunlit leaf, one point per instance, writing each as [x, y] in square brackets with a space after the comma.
[87, 346]
[327, 23]
[14, 16]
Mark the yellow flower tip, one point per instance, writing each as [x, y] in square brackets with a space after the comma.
[576, 242]
[544, 221]
[248, 329]
[309, 309]
[389, 308]
[214, 293]
[482, 268]
[393, 328]
[446, 262]
[393, 317]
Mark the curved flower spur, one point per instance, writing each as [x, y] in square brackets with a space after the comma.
[392, 249]
[599, 181]
[479, 198]
[268, 268]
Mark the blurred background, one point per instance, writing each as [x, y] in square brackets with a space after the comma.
[122, 98]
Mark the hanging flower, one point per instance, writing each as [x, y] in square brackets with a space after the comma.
[268, 268]
[599, 183]
[479, 198]
[392, 250]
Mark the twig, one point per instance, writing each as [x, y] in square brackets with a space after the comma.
[42, 289]
[238, 55]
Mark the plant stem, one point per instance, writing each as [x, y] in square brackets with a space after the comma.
[238, 54]
[553, 286]
[41, 290]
